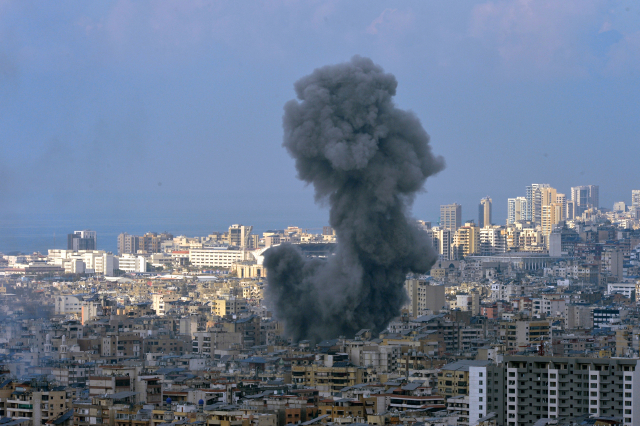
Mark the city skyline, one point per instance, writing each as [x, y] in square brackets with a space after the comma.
[36, 238]
[131, 96]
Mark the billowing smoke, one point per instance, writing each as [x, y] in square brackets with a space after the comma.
[368, 159]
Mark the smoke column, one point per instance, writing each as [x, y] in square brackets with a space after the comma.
[367, 159]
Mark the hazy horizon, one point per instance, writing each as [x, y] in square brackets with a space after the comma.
[167, 116]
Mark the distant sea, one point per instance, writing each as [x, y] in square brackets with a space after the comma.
[38, 233]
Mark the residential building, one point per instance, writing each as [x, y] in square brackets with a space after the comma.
[551, 216]
[534, 201]
[517, 210]
[329, 381]
[523, 390]
[450, 216]
[626, 289]
[424, 297]
[492, 240]
[442, 240]
[160, 302]
[453, 378]
[466, 241]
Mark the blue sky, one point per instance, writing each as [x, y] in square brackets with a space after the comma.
[166, 115]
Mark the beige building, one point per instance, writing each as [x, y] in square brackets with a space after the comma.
[231, 306]
[484, 212]
[520, 334]
[158, 302]
[329, 381]
[466, 241]
[551, 215]
[450, 216]
[423, 297]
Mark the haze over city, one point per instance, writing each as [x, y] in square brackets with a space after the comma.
[319, 213]
[167, 116]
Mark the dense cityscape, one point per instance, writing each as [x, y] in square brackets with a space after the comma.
[319, 213]
[517, 323]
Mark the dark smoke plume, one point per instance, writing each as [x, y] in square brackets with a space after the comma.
[368, 159]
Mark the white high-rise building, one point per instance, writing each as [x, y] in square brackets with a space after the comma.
[442, 240]
[517, 210]
[492, 240]
[534, 201]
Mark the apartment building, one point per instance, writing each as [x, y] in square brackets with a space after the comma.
[520, 334]
[68, 304]
[453, 379]
[423, 297]
[451, 216]
[466, 241]
[522, 390]
[230, 306]
[161, 302]
[516, 210]
[328, 381]
[492, 240]
[37, 401]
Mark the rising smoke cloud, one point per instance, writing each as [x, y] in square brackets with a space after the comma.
[367, 159]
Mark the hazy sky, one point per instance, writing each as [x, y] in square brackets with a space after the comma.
[166, 115]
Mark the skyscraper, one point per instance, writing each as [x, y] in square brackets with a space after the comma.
[585, 197]
[517, 209]
[534, 201]
[451, 216]
[484, 212]
[82, 240]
